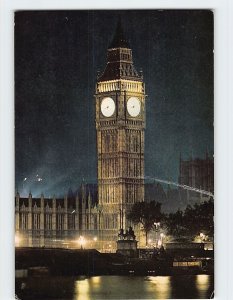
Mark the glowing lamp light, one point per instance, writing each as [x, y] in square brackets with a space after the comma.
[157, 224]
[203, 237]
[82, 241]
[17, 240]
[162, 235]
[95, 239]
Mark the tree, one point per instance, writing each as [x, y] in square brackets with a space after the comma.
[146, 214]
[194, 220]
[199, 218]
[174, 223]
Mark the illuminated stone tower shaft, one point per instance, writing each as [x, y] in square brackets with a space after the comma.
[120, 125]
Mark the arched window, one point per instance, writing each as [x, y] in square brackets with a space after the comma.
[23, 221]
[107, 143]
[48, 221]
[135, 144]
[35, 221]
[71, 221]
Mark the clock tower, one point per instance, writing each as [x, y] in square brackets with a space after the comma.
[120, 126]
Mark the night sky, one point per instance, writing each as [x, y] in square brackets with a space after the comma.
[57, 57]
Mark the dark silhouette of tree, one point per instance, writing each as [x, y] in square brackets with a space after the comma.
[146, 214]
[194, 220]
[199, 218]
[174, 223]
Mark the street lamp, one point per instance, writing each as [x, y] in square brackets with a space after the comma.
[82, 241]
[157, 224]
[203, 237]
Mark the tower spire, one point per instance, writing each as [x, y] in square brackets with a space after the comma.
[119, 59]
[119, 39]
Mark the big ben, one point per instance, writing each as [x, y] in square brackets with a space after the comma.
[120, 125]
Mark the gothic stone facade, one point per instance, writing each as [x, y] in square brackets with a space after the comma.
[120, 125]
[198, 173]
[53, 222]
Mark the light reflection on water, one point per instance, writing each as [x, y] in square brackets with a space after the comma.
[202, 281]
[82, 289]
[157, 287]
[160, 286]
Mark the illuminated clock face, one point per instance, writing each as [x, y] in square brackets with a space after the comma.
[107, 107]
[133, 106]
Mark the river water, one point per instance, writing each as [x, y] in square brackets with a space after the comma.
[156, 287]
[118, 287]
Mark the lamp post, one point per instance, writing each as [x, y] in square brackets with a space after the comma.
[100, 225]
[81, 241]
[157, 224]
[202, 237]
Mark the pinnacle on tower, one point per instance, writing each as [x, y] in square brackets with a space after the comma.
[119, 40]
[119, 59]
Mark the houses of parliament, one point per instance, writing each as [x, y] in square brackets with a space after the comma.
[120, 127]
